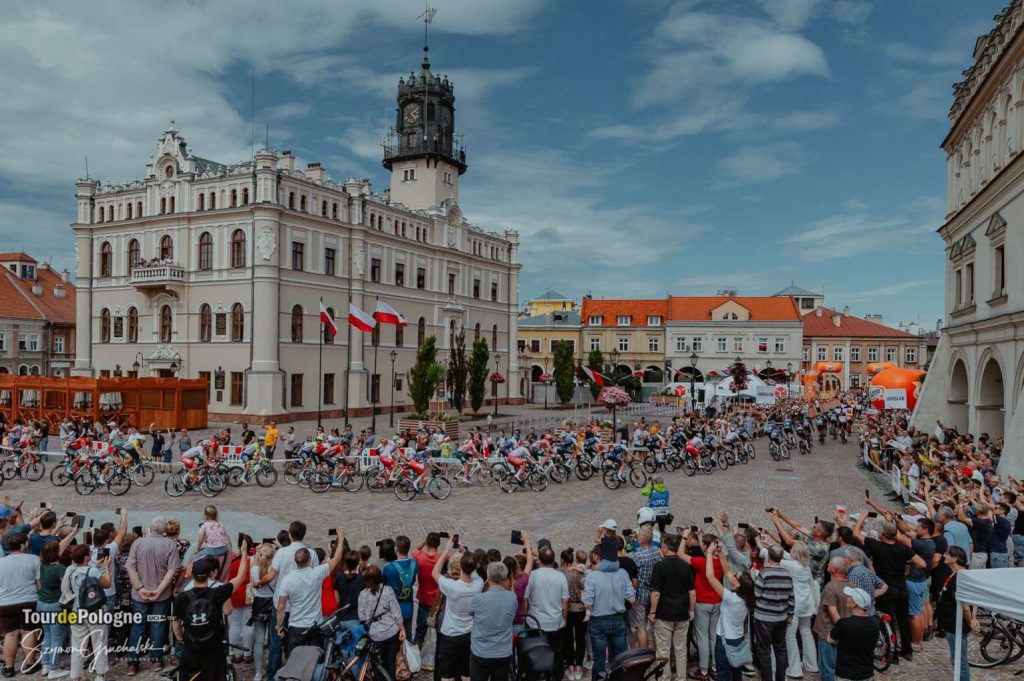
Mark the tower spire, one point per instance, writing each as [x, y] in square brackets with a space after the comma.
[428, 18]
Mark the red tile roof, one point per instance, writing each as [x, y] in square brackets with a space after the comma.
[20, 303]
[762, 308]
[849, 327]
[19, 256]
[639, 310]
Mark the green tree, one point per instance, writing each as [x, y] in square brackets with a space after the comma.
[425, 376]
[595, 362]
[565, 383]
[457, 371]
[478, 362]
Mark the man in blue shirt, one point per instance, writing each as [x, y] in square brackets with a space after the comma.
[606, 592]
[400, 575]
[955, 532]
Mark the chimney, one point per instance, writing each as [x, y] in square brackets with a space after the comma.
[352, 186]
[64, 274]
[837, 319]
[817, 311]
[59, 292]
[846, 311]
[367, 189]
[44, 265]
[37, 289]
[287, 161]
[315, 171]
[874, 318]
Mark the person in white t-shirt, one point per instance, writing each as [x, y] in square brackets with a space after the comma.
[737, 604]
[453, 652]
[298, 594]
[283, 563]
[547, 601]
[18, 595]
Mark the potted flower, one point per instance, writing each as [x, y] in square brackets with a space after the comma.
[496, 377]
[613, 397]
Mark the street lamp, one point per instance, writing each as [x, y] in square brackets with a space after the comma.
[137, 364]
[175, 363]
[497, 361]
[391, 421]
[693, 382]
[547, 381]
[117, 371]
[614, 354]
[789, 379]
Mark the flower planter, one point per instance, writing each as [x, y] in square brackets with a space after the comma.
[449, 428]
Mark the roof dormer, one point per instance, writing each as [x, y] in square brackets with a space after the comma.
[730, 310]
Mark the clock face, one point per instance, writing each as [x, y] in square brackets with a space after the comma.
[411, 114]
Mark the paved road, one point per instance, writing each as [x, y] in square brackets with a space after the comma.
[805, 487]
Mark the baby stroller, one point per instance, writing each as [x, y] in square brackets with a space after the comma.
[640, 664]
[535, 657]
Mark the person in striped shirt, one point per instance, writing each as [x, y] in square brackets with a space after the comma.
[773, 611]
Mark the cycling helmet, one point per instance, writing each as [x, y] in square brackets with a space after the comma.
[645, 516]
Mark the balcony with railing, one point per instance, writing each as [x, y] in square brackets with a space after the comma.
[156, 276]
[397, 147]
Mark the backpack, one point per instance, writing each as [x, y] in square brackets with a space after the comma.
[407, 575]
[90, 594]
[201, 618]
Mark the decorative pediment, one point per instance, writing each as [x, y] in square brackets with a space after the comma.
[730, 310]
[962, 248]
[996, 225]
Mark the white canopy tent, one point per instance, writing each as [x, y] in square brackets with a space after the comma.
[999, 590]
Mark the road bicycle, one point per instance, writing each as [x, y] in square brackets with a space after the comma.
[24, 464]
[885, 644]
[90, 478]
[261, 470]
[1001, 641]
[347, 477]
[207, 481]
[518, 473]
[480, 473]
[634, 474]
[412, 485]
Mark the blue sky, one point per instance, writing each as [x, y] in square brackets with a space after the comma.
[640, 147]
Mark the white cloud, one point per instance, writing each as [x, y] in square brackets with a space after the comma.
[854, 205]
[41, 231]
[893, 289]
[942, 56]
[855, 233]
[852, 12]
[754, 165]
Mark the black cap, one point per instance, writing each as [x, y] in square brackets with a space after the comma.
[203, 568]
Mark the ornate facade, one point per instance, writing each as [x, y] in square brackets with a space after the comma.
[216, 271]
[976, 376]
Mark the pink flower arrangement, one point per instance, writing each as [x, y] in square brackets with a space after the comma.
[496, 377]
[613, 396]
[545, 378]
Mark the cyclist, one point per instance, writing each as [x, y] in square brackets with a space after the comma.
[194, 458]
[621, 456]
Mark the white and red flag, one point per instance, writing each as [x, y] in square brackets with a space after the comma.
[359, 319]
[327, 320]
[385, 314]
[593, 376]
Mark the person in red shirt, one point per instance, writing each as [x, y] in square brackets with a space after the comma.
[328, 597]
[426, 556]
[709, 602]
[239, 631]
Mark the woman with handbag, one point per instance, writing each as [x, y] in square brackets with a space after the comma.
[262, 609]
[732, 650]
[382, 616]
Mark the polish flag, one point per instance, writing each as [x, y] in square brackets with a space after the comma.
[360, 319]
[593, 376]
[327, 320]
[385, 314]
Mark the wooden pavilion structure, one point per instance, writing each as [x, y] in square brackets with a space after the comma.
[167, 402]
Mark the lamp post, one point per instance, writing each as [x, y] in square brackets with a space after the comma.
[614, 354]
[391, 420]
[789, 379]
[117, 371]
[693, 382]
[137, 364]
[175, 364]
[497, 362]
[547, 381]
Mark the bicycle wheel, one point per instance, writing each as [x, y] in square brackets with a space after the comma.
[484, 477]
[439, 487]
[537, 481]
[85, 483]
[741, 455]
[773, 451]
[751, 451]
[671, 462]
[267, 476]
[34, 471]
[376, 478]
[651, 464]
[59, 476]
[9, 469]
[405, 490]
[706, 465]
[637, 476]
[174, 485]
[558, 473]
[352, 482]
[722, 460]
[689, 467]
[611, 479]
[235, 476]
[507, 482]
[995, 647]
[584, 470]
[320, 482]
[784, 452]
[119, 484]
[143, 474]
[211, 486]
[291, 472]
[883, 649]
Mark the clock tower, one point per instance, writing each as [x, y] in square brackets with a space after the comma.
[423, 151]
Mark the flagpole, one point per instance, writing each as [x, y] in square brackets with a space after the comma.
[373, 396]
[348, 353]
[320, 371]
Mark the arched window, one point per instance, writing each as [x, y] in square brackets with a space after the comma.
[238, 248]
[163, 205]
[323, 208]
[106, 259]
[133, 325]
[297, 324]
[138, 209]
[234, 198]
[291, 200]
[328, 338]
[202, 201]
[494, 337]
[206, 251]
[334, 211]
[165, 324]
[302, 203]
[128, 209]
[476, 332]
[245, 196]
[110, 213]
[213, 200]
[23, 370]
[421, 332]
[166, 247]
[104, 325]
[205, 323]
[399, 336]
[237, 323]
[451, 334]
[134, 253]
[99, 213]
[171, 205]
